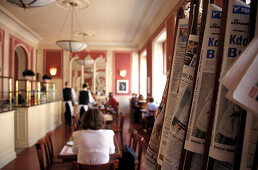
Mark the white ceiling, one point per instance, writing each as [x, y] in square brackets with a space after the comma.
[113, 21]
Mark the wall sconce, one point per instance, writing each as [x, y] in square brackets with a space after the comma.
[122, 73]
[52, 71]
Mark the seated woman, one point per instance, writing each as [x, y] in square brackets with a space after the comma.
[150, 115]
[138, 108]
[93, 144]
[112, 103]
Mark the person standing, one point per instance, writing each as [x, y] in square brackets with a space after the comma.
[85, 98]
[68, 96]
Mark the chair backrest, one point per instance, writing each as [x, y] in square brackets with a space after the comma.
[131, 133]
[151, 112]
[138, 146]
[43, 153]
[111, 165]
[50, 145]
[117, 108]
[121, 126]
[76, 122]
[121, 121]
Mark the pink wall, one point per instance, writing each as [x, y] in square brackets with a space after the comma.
[93, 54]
[169, 24]
[122, 61]
[89, 81]
[53, 58]
[13, 43]
[2, 66]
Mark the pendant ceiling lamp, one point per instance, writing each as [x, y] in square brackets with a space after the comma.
[86, 62]
[71, 45]
[30, 3]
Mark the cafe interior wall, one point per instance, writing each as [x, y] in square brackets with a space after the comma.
[110, 82]
[13, 30]
[110, 73]
[22, 33]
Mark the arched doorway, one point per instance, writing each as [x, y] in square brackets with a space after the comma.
[20, 62]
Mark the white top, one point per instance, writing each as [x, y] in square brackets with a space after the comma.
[93, 146]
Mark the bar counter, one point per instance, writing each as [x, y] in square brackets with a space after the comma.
[23, 126]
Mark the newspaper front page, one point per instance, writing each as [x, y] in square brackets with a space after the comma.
[250, 142]
[151, 155]
[176, 71]
[227, 114]
[199, 114]
[181, 111]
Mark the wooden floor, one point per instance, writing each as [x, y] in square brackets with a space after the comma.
[28, 159]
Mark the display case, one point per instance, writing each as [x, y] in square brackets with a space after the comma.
[19, 93]
[6, 95]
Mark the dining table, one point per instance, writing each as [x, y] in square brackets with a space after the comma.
[67, 155]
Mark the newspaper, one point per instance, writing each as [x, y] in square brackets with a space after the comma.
[250, 142]
[151, 155]
[181, 112]
[227, 114]
[245, 92]
[199, 114]
[176, 71]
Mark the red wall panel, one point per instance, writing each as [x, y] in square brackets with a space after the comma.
[169, 24]
[122, 61]
[13, 43]
[93, 54]
[2, 66]
[53, 58]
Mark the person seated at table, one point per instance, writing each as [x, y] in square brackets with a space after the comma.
[93, 144]
[152, 107]
[138, 108]
[112, 102]
[133, 102]
[150, 115]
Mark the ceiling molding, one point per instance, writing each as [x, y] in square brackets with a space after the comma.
[93, 44]
[151, 27]
[143, 18]
[18, 22]
[112, 44]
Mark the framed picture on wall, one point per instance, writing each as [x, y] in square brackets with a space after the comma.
[122, 86]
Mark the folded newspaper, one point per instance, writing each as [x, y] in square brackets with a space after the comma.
[241, 79]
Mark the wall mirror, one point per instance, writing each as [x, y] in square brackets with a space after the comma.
[100, 77]
[92, 71]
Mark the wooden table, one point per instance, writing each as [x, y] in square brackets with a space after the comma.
[67, 154]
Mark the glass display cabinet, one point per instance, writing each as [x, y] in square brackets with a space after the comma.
[19, 93]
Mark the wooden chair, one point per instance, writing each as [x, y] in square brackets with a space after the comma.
[119, 128]
[131, 133]
[111, 165]
[76, 122]
[137, 145]
[49, 142]
[44, 156]
[150, 120]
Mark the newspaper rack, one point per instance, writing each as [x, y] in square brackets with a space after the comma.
[186, 157]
